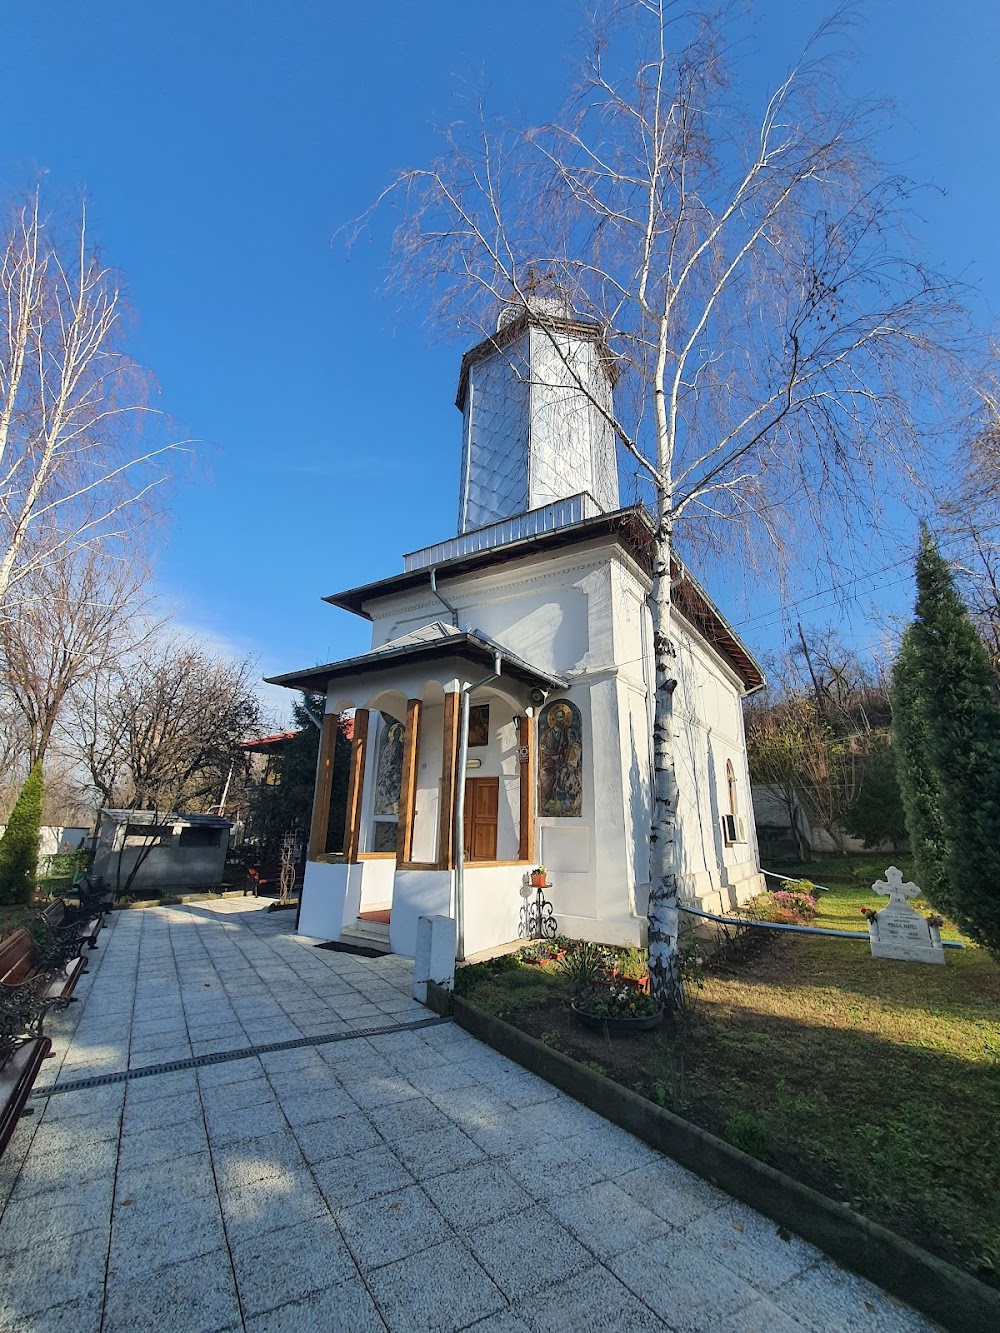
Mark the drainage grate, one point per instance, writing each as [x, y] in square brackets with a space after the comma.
[245, 1053]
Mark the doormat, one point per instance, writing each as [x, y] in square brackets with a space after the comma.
[361, 949]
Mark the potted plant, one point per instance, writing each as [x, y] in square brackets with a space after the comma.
[538, 877]
[544, 953]
[616, 1008]
[632, 969]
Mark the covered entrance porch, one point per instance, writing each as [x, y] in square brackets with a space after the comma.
[444, 743]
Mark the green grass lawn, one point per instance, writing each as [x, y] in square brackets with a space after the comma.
[875, 1081]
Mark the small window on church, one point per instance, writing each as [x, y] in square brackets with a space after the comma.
[560, 760]
[388, 781]
[731, 787]
[479, 725]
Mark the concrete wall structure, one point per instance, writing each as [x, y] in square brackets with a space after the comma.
[188, 852]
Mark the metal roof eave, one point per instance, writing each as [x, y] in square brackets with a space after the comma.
[473, 647]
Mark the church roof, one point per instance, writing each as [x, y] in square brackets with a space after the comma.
[430, 641]
[631, 528]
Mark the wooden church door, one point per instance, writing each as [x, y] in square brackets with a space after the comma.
[482, 801]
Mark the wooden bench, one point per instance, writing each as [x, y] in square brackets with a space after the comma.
[79, 923]
[95, 896]
[31, 984]
[20, 1061]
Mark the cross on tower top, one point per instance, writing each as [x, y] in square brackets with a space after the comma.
[895, 888]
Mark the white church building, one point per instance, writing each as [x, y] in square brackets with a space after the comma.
[529, 632]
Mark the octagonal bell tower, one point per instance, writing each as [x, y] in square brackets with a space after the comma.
[534, 432]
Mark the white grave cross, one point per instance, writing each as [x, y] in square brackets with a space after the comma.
[896, 930]
[895, 888]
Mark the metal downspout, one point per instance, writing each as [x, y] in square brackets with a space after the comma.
[463, 749]
[442, 599]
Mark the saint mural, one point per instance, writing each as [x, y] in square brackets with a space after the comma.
[560, 760]
[388, 780]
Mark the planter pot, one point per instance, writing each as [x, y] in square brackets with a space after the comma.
[634, 983]
[643, 1024]
[546, 962]
[538, 882]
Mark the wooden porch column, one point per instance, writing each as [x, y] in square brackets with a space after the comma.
[526, 838]
[320, 824]
[408, 781]
[355, 786]
[449, 766]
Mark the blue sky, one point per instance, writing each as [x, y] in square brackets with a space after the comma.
[221, 143]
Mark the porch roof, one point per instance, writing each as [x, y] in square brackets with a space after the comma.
[435, 640]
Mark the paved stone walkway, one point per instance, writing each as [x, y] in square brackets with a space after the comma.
[410, 1180]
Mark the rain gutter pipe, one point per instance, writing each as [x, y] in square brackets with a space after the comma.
[459, 833]
[797, 930]
[442, 599]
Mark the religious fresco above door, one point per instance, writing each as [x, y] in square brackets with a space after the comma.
[560, 760]
[479, 725]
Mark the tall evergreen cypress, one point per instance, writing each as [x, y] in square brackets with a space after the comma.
[917, 781]
[950, 730]
[19, 844]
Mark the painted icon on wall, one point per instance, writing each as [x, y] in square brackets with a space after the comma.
[560, 760]
[479, 725]
[389, 772]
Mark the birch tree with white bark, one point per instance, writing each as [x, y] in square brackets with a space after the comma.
[78, 462]
[746, 257]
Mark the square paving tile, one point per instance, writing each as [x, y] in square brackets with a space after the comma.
[364, 1175]
[323, 1104]
[551, 1168]
[239, 1123]
[476, 1195]
[751, 1245]
[284, 1265]
[239, 1164]
[670, 1191]
[162, 1111]
[826, 1297]
[592, 1302]
[202, 1288]
[686, 1285]
[35, 1279]
[344, 1309]
[436, 1152]
[163, 1144]
[65, 1167]
[390, 1227]
[528, 1251]
[342, 1136]
[605, 1218]
[151, 1231]
[402, 1119]
[268, 1204]
[441, 1289]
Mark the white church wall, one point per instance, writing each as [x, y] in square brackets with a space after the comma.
[583, 614]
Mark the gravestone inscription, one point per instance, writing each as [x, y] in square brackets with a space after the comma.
[896, 930]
